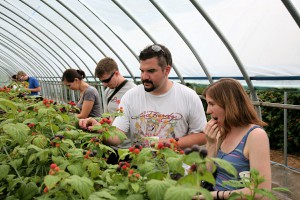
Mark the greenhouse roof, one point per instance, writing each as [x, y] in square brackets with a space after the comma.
[255, 41]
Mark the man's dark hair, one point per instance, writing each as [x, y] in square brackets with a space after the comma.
[157, 50]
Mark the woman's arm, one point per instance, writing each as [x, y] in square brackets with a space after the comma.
[86, 109]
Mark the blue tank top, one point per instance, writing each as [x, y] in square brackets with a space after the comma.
[237, 159]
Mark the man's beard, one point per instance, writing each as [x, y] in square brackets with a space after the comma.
[148, 89]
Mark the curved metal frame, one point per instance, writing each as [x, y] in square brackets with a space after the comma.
[106, 43]
[185, 39]
[148, 34]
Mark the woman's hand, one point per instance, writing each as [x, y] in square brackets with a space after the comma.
[211, 131]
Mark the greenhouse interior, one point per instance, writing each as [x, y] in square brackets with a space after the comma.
[50, 151]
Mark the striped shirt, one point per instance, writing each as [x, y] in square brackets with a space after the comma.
[237, 159]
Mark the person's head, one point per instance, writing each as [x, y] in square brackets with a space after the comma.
[155, 65]
[14, 77]
[72, 78]
[108, 73]
[22, 76]
[230, 105]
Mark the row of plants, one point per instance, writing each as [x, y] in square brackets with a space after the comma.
[44, 155]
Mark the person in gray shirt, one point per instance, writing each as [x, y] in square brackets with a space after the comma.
[89, 102]
[108, 73]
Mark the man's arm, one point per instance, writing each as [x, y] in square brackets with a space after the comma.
[38, 89]
[189, 140]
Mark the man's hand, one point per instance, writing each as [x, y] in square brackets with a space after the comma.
[88, 123]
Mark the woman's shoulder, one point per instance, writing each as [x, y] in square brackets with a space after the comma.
[257, 134]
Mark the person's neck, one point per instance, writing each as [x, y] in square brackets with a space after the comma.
[83, 86]
[164, 88]
[120, 80]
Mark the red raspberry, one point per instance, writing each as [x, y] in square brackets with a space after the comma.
[136, 151]
[53, 165]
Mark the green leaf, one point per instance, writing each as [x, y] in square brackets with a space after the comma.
[7, 121]
[123, 153]
[225, 165]
[156, 175]
[175, 164]
[144, 155]
[40, 141]
[135, 187]
[51, 181]
[156, 189]
[7, 104]
[190, 179]
[31, 158]
[94, 169]
[265, 193]
[16, 163]
[18, 132]
[83, 185]
[168, 153]
[76, 169]
[59, 118]
[135, 197]
[146, 168]
[4, 169]
[102, 195]
[180, 193]
[27, 191]
[43, 155]
[192, 158]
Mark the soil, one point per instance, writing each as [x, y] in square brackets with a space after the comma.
[292, 160]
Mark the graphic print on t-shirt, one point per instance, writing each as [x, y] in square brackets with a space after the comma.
[152, 123]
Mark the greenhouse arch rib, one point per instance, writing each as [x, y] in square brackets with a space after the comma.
[106, 43]
[148, 35]
[231, 50]
[185, 39]
[34, 35]
[61, 31]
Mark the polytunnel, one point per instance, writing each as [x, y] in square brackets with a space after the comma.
[253, 41]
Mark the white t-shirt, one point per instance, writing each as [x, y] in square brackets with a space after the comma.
[113, 104]
[173, 114]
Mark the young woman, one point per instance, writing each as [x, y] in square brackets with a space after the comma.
[235, 134]
[89, 102]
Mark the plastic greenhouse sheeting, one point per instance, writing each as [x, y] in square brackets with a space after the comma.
[45, 37]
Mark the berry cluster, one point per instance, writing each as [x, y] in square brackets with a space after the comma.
[123, 166]
[196, 148]
[55, 140]
[135, 149]
[172, 144]
[133, 176]
[47, 102]
[105, 121]
[30, 125]
[89, 153]
[95, 140]
[72, 103]
[53, 169]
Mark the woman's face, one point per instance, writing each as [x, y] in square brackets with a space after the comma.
[216, 112]
[72, 85]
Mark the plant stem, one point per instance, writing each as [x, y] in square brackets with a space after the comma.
[13, 166]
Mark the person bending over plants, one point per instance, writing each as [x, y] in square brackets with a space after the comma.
[159, 107]
[235, 134]
[89, 102]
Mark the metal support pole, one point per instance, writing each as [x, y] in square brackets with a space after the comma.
[285, 130]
